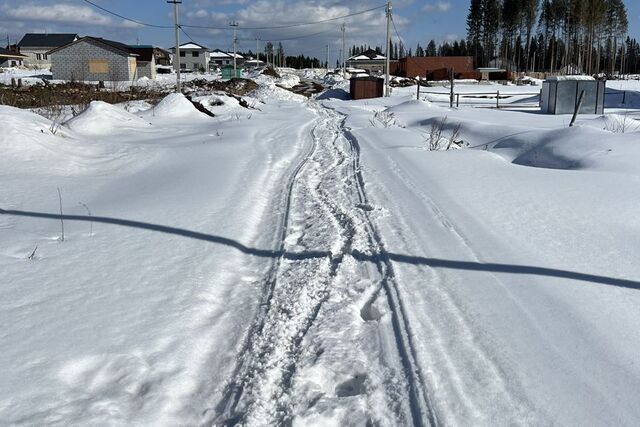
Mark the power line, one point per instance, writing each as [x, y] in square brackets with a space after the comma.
[300, 24]
[293, 38]
[125, 18]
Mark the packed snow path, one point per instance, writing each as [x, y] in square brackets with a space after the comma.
[327, 242]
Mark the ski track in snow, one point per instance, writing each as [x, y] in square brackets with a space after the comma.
[326, 220]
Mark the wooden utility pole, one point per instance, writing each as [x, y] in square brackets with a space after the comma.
[235, 39]
[177, 29]
[388, 65]
[343, 51]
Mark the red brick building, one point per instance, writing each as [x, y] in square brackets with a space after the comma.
[422, 66]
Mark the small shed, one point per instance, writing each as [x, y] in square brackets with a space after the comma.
[560, 95]
[227, 72]
[366, 87]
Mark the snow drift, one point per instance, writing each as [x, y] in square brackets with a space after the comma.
[104, 119]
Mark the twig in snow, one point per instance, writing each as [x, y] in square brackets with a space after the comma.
[33, 254]
[61, 219]
[88, 213]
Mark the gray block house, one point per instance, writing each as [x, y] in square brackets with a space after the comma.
[35, 47]
[95, 59]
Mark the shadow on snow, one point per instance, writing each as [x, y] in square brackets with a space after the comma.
[400, 258]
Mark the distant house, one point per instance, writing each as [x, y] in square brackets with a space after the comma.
[193, 57]
[437, 67]
[10, 58]
[369, 60]
[145, 61]
[254, 63]
[94, 59]
[36, 47]
[219, 59]
[163, 57]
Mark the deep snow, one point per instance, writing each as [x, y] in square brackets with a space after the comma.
[314, 262]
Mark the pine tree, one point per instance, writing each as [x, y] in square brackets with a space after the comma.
[474, 30]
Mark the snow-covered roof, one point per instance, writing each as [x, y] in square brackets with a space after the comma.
[368, 55]
[191, 46]
[568, 78]
[219, 54]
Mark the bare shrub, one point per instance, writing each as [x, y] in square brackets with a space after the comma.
[383, 118]
[439, 138]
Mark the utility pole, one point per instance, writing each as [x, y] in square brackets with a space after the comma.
[343, 51]
[234, 24]
[177, 28]
[327, 58]
[257, 50]
[388, 55]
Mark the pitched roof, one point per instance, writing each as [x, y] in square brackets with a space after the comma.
[190, 45]
[96, 40]
[367, 55]
[145, 53]
[6, 53]
[46, 40]
[217, 53]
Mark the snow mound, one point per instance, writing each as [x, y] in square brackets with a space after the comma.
[176, 105]
[289, 81]
[31, 143]
[268, 92]
[409, 106]
[616, 123]
[104, 119]
[334, 94]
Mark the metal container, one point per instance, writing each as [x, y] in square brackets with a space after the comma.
[560, 95]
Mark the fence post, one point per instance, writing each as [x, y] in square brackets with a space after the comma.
[418, 88]
[457, 100]
[497, 99]
[451, 79]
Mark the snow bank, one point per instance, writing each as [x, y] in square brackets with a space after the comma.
[616, 123]
[175, 105]
[103, 119]
[35, 145]
[289, 80]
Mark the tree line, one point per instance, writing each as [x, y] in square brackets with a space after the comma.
[566, 36]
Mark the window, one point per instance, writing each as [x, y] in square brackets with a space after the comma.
[183, 66]
[98, 66]
[38, 57]
[44, 56]
[195, 54]
[183, 54]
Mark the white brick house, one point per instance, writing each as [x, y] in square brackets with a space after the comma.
[36, 47]
[193, 57]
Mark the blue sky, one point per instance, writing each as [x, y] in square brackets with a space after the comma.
[416, 21]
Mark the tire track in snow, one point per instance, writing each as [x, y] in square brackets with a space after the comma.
[293, 293]
[225, 411]
[419, 400]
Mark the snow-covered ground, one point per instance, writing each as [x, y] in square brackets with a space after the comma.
[315, 263]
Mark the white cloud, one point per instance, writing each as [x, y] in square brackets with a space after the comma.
[57, 13]
[440, 6]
